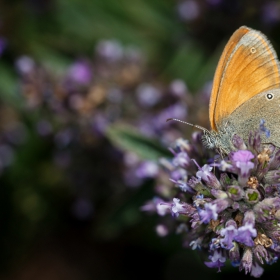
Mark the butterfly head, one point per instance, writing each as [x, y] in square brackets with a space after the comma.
[221, 141]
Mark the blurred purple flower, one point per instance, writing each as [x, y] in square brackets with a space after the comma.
[178, 88]
[25, 65]
[148, 95]
[110, 50]
[147, 169]
[270, 13]
[177, 111]
[80, 72]
[151, 205]
[188, 10]
[99, 123]
[162, 230]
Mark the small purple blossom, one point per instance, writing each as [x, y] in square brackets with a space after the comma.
[224, 165]
[178, 207]
[196, 244]
[182, 160]
[217, 260]
[212, 209]
[244, 235]
[229, 232]
[163, 208]
[264, 129]
[205, 174]
[238, 142]
[175, 208]
[183, 186]
[208, 213]
[215, 244]
[242, 163]
[247, 231]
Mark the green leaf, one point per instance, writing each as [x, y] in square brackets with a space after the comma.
[129, 139]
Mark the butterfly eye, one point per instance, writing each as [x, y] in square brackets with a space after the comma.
[269, 96]
[253, 50]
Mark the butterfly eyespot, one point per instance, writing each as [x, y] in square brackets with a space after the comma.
[253, 50]
[269, 96]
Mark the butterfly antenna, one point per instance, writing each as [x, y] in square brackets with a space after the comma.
[193, 125]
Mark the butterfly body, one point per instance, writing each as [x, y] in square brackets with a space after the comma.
[246, 90]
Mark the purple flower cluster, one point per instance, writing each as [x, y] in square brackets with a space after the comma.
[230, 205]
[73, 108]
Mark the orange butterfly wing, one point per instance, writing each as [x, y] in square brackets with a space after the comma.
[248, 66]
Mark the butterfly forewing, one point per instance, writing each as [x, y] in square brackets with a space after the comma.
[228, 50]
[250, 68]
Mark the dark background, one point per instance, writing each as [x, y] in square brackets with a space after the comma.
[66, 211]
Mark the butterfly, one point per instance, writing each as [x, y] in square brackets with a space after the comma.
[245, 92]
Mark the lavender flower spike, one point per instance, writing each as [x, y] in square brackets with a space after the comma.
[232, 211]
